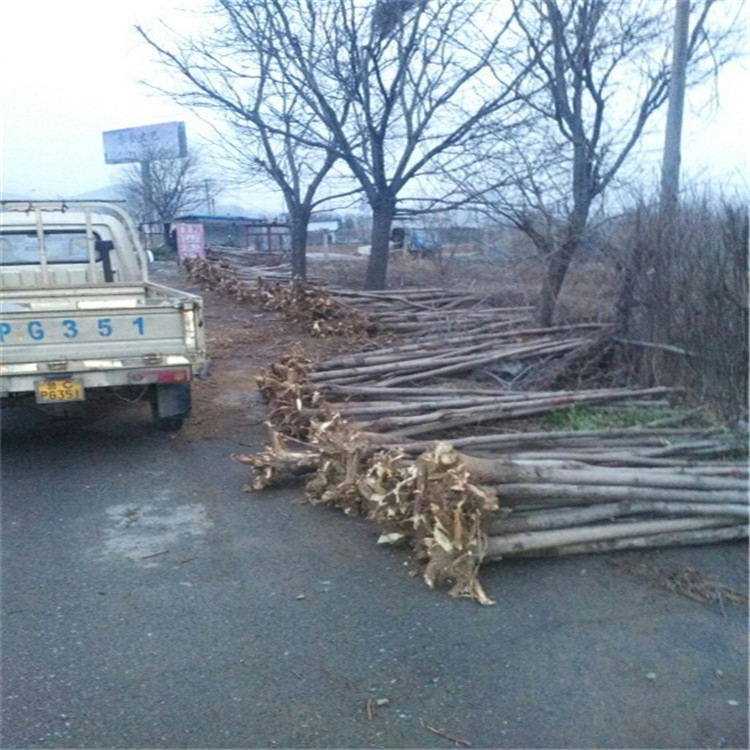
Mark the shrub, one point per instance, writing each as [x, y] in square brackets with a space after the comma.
[685, 290]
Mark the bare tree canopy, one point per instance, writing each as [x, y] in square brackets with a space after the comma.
[414, 79]
[406, 93]
[229, 70]
[388, 88]
[602, 69]
[159, 188]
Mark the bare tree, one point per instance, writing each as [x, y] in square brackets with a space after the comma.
[601, 72]
[392, 86]
[159, 188]
[271, 136]
[259, 157]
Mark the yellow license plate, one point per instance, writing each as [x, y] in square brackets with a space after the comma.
[55, 391]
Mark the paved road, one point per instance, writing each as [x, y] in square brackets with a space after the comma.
[148, 602]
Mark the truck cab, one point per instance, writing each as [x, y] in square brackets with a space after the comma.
[67, 248]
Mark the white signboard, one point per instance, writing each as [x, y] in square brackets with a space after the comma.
[191, 241]
[163, 141]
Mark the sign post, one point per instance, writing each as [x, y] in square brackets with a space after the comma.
[163, 141]
[146, 144]
[191, 241]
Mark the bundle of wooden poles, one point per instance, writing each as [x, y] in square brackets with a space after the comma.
[422, 431]
[307, 305]
[430, 312]
[328, 310]
[250, 265]
[431, 465]
[457, 510]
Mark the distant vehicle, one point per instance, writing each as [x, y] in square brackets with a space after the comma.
[79, 318]
[424, 242]
[419, 242]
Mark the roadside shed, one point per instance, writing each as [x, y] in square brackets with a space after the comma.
[252, 233]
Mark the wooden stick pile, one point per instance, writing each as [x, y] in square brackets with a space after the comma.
[501, 354]
[379, 391]
[314, 309]
[435, 312]
[220, 277]
[429, 313]
[250, 265]
[305, 304]
[390, 433]
[458, 511]
[511, 494]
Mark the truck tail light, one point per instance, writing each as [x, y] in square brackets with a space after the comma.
[146, 377]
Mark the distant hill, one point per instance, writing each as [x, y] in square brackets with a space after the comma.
[108, 193]
[112, 193]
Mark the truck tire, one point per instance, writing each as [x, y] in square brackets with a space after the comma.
[170, 404]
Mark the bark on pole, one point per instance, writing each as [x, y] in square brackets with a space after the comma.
[670, 174]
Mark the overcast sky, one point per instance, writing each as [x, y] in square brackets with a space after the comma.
[71, 69]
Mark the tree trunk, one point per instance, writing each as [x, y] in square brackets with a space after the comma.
[383, 210]
[558, 261]
[299, 218]
[584, 191]
[557, 267]
[167, 235]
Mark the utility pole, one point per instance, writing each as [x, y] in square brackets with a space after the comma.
[148, 203]
[670, 169]
[209, 197]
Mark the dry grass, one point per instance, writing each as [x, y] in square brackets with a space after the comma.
[588, 293]
[687, 582]
[690, 291]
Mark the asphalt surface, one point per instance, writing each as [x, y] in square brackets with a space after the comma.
[148, 602]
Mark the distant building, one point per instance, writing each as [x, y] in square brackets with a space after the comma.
[248, 232]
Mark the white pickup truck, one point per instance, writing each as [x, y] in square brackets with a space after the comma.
[79, 318]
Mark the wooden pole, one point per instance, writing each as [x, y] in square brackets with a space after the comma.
[670, 174]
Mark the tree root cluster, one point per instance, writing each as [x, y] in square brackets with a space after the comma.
[429, 502]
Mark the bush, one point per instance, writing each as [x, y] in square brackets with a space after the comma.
[685, 287]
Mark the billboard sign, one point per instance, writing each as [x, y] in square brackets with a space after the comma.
[191, 241]
[166, 140]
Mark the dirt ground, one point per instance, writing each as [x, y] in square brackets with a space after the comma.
[241, 340]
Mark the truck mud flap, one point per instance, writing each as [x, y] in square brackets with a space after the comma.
[171, 404]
